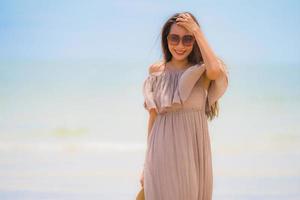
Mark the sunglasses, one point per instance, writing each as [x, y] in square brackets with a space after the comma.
[187, 40]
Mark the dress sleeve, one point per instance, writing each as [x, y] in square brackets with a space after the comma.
[149, 102]
[218, 87]
[187, 81]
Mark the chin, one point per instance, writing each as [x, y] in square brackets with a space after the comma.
[176, 57]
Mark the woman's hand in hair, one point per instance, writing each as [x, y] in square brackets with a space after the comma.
[187, 21]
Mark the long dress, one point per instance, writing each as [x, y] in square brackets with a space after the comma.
[178, 164]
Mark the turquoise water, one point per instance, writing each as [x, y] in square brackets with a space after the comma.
[61, 138]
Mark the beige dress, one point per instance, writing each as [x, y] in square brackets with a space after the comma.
[178, 164]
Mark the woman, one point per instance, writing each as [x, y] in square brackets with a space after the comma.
[181, 94]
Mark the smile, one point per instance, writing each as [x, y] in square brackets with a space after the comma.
[180, 52]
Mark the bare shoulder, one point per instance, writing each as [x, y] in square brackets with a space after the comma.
[156, 67]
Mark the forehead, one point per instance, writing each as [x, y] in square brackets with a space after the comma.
[179, 30]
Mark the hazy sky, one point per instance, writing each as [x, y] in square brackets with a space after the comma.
[259, 31]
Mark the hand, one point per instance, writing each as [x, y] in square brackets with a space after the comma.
[142, 179]
[186, 20]
[158, 64]
[156, 67]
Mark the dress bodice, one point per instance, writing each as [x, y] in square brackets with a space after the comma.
[172, 89]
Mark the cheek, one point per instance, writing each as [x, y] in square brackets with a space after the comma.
[171, 48]
[189, 50]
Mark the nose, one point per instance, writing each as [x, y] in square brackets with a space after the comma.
[180, 44]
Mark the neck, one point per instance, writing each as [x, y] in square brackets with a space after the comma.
[179, 64]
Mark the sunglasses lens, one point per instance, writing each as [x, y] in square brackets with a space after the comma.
[173, 39]
[188, 40]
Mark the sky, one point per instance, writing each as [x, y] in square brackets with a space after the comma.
[241, 31]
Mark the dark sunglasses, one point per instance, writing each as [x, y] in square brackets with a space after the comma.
[187, 40]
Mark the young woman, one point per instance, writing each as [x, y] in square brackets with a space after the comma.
[181, 95]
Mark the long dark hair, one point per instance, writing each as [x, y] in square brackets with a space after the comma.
[195, 57]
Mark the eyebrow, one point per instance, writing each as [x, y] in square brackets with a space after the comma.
[180, 35]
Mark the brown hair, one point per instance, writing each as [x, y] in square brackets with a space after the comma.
[195, 57]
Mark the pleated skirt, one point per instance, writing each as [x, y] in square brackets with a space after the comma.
[178, 164]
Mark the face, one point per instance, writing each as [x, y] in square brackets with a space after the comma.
[180, 51]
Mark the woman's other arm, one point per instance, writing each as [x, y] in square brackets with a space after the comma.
[152, 117]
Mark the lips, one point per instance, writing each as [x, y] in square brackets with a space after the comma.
[180, 52]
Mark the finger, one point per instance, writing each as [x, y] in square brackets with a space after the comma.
[181, 19]
[182, 15]
[186, 15]
[182, 22]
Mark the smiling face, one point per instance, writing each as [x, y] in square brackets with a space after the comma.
[180, 52]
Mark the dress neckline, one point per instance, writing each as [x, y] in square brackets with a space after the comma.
[164, 69]
[175, 70]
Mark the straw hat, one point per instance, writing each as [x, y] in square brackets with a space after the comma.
[141, 195]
